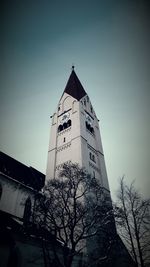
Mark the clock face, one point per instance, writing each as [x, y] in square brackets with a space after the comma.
[65, 117]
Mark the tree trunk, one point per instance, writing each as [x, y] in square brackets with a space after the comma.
[138, 241]
[128, 225]
[68, 257]
[44, 254]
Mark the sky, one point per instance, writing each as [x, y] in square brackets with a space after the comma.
[108, 42]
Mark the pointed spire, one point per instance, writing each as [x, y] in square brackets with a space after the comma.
[74, 87]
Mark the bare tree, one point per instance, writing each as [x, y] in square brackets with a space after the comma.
[133, 220]
[74, 208]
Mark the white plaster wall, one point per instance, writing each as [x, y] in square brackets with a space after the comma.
[79, 142]
[77, 137]
[63, 155]
[67, 103]
[61, 151]
[76, 156]
[84, 154]
[51, 164]
[64, 134]
[98, 139]
[53, 136]
[94, 141]
[74, 106]
[52, 148]
[103, 172]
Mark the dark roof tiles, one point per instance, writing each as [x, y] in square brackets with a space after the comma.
[20, 172]
[74, 87]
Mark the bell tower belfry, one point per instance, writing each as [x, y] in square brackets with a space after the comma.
[75, 134]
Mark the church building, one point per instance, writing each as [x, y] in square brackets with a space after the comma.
[74, 138]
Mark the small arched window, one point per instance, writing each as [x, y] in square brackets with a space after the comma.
[87, 125]
[27, 211]
[84, 102]
[91, 130]
[60, 128]
[90, 154]
[68, 123]
[64, 125]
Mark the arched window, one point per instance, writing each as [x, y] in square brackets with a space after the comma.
[68, 123]
[90, 154]
[93, 158]
[27, 211]
[91, 130]
[87, 125]
[60, 128]
[64, 125]
[84, 102]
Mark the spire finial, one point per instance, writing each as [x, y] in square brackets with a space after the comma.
[73, 67]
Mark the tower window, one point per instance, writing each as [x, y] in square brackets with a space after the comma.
[92, 157]
[89, 127]
[84, 102]
[58, 108]
[60, 128]
[27, 211]
[64, 125]
[64, 139]
[91, 130]
[87, 99]
[68, 123]
[91, 109]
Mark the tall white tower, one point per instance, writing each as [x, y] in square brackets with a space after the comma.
[75, 134]
[75, 137]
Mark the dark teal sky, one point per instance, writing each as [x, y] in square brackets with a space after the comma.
[108, 41]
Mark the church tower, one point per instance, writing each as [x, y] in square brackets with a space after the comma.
[75, 134]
